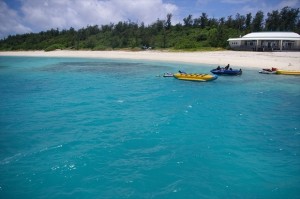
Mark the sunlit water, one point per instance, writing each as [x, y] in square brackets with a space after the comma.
[97, 128]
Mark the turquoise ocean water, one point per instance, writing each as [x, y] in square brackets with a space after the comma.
[100, 128]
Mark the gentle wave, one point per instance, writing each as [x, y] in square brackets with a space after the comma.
[92, 128]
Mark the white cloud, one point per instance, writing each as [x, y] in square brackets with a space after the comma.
[68, 13]
[41, 15]
[10, 22]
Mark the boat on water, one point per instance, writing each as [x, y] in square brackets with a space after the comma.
[279, 72]
[195, 77]
[226, 71]
[168, 75]
[287, 72]
[268, 71]
[223, 71]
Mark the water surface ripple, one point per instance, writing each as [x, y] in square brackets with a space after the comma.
[100, 128]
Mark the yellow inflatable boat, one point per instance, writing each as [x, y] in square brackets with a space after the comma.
[288, 72]
[195, 77]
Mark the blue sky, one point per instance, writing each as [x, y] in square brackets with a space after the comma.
[23, 16]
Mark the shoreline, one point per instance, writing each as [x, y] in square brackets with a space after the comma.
[237, 59]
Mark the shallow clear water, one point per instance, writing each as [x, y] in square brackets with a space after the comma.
[99, 128]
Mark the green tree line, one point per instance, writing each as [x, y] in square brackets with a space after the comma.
[193, 34]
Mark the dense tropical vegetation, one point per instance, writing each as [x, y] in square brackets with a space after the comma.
[193, 34]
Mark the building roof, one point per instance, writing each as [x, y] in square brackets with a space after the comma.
[268, 36]
[272, 34]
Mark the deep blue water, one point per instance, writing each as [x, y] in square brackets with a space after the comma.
[100, 128]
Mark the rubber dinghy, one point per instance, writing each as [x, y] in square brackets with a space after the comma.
[195, 77]
[223, 71]
[226, 71]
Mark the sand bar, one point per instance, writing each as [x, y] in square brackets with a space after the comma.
[240, 59]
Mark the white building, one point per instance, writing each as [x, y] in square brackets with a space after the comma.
[266, 41]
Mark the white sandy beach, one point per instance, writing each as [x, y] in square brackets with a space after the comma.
[239, 59]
